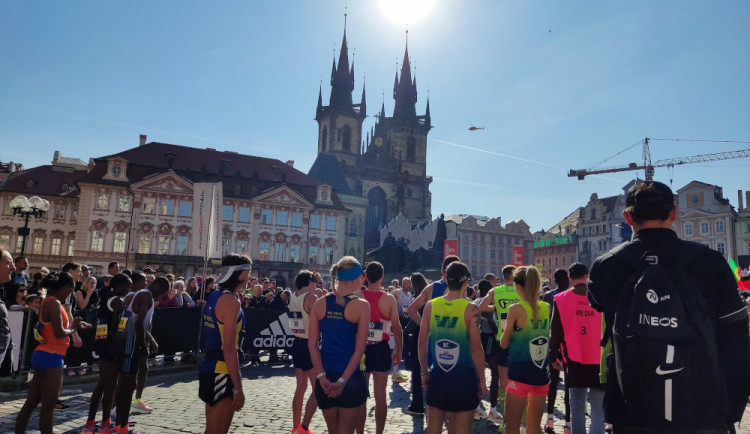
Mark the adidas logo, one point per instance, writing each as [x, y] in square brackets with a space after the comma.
[276, 335]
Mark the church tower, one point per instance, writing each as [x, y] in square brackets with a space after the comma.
[340, 122]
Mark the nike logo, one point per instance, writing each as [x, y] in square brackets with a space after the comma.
[661, 371]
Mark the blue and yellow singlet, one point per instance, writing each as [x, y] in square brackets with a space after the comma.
[529, 348]
[449, 345]
[213, 330]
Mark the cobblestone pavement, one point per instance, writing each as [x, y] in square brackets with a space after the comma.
[268, 389]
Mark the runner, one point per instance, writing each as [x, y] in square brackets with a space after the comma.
[378, 357]
[220, 380]
[138, 406]
[340, 321]
[52, 332]
[454, 377]
[433, 290]
[300, 306]
[411, 352]
[500, 299]
[526, 336]
[561, 280]
[488, 334]
[110, 311]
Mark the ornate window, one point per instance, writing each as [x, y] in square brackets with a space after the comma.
[266, 216]
[101, 201]
[280, 248]
[720, 226]
[36, 248]
[314, 221]
[688, 229]
[149, 205]
[297, 219]
[227, 213]
[59, 211]
[244, 215]
[97, 241]
[120, 242]
[294, 253]
[264, 248]
[123, 203]
[56, 243]
[182, 245]
[281, 218]
[71, 247]
[330, 223]
[313, 254]
[162, 247]
[704, 227]
[167, 206]
[242, 247]
[186, 208]
[144, 244]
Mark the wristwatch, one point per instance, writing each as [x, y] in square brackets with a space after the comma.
[320, 375]
[341, 381]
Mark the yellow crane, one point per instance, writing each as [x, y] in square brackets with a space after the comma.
[648, 167]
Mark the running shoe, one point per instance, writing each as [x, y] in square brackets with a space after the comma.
[409, 410]
[549, 427]
[479, 413]
[89, 429]
[301, 430]
[494, 416]
[60, 405]
[566, 428]
[399, 377]
[141, 408]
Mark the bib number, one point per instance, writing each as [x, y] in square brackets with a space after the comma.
[375, 333]
[123, 323]
[296, 323]
[101, 332]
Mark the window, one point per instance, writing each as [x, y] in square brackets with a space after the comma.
[747, 229]
[244, 215]
[492, 254]
[720, 226]
[36, 248]
[563, 261]
[720, 248]
[263, 249]
[557, 259]
[411, 148]
[346, 144]
[500, 255]
[144, 244]
[314, 221]
[162, 248]
[186, 208]
[97, 241]
[123, 203]
[281, 218]
[101, 201]
[704, 227]
[482, 253]
[329, 255]
[120, 242]
[297, 219]
[280, 252]
[167, 206]
[60, 211]
[324, 138]
[597, 229]
[74, 213]
[227, 213]
[242, 247]
[265, 216]
[313, 251]
[56, 243]
[604, 228]
[294, 253]
[593, 214]
[473, 237]
[226, 243]
[71, 247]
[493, 239]
[481, 237]
[474, 252]
[330, 223]
[149, 205]
[689, 229]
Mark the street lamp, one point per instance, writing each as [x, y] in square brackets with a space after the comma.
[23, 206]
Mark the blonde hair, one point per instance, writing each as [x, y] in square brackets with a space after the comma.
[531, 288]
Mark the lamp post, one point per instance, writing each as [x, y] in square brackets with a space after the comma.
[26, 207]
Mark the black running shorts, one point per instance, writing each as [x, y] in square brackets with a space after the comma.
[378, 357]
[301, 355]
[213, 387]
[353, 396]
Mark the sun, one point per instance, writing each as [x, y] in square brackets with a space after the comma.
[406, 11]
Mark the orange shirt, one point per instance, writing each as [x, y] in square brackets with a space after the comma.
[44, 333]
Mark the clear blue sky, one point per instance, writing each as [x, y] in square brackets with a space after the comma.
[556, 84]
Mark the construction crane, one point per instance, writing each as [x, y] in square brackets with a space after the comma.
[670, 162]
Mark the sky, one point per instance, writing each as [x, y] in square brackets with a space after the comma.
[557, 85]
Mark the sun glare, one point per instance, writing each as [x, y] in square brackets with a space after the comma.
[406, 11]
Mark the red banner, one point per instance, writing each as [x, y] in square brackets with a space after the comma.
[450, 247]
[518, 256]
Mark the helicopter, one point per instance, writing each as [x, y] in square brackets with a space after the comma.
[474, 128]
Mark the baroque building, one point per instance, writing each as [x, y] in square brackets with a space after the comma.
[379, 173]
[706, 217]
[558, 247]
[742, 227]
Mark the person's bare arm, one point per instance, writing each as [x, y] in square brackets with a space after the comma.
[417, 304]
[424, 336]
[316, 314]
[227, 311]
[513, 314]
[472, 319]
[398, 334]
[488, 304]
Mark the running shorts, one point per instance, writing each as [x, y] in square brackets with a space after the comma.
[378, 357]
[301, 355]
[516, 388]
[353, 396]
[42, 360]
[453, 395]
[213, 387]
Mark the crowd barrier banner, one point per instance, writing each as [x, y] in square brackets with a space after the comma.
[266, 329]
[16, 320]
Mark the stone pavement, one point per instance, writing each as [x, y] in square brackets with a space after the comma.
[268, 390]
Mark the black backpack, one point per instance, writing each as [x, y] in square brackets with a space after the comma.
[664, 341]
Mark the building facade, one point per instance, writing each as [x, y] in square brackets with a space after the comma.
[558, 247]
[742, 225]
[706, 217]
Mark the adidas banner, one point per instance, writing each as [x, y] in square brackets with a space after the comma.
[266, 329]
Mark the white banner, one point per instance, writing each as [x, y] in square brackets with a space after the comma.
[208, 201]
[15, 320]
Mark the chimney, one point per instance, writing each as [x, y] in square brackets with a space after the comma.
[739, 201]
[142, 140]
[56, 156]
[290, 163]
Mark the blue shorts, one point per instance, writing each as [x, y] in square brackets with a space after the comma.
[378, 357]
[353, 396]
[42, 360]
[448, 394]
[301, 354]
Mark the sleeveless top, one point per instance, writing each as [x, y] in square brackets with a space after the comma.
[438, 289]
[379, 324]
[213, 330]
[529, 348]
[402, 304]
[504, 296]
[149, 314]
[449, 346]
[582, 326]
[105, 314]
[339, 336]
[299, 319]
[45, 334]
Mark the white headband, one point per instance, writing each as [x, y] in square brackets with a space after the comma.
[227, 271]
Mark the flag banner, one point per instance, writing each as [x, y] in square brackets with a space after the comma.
[450, 247]
[518, 256]
[207, 205]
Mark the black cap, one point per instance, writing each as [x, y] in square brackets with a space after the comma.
[577, 270]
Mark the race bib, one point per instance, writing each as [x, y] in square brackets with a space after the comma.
[38, 333]
[538, 348]
[375, 334]
[446, 354]
[101, 331]
[296, 323]
[123, 323]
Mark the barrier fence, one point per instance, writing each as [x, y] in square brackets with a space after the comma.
[176, 330]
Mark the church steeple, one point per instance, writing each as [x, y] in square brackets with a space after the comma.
[342, 79]
[405, 91]
[363, 103]
[319, 110]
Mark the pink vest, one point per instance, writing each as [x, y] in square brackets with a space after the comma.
[582, 326]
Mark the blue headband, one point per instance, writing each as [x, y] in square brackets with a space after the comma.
[350, 274]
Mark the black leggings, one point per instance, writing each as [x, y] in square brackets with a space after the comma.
[554, 380]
